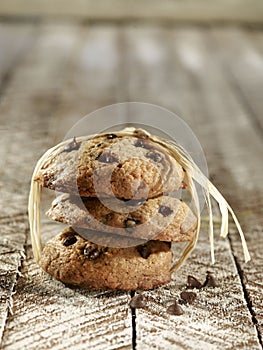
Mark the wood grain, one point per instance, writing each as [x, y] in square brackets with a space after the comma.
[72, 70]
[236, 145]
[46, 314]
[188, 72]
[242, 60]
[14, 41]
[249, 200]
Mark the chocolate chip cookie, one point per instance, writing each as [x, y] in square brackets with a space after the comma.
[113, 166]
[73, 260]
[164, 218]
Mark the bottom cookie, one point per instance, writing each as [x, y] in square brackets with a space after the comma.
[73, 260]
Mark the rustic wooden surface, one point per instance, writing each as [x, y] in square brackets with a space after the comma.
[205, 11]
[51, 76]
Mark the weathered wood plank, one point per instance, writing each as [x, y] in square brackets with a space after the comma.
[243, 63]
[185, 78]
[93, 79]
[14, 41]
[46, 314]
[183, 74]
[188, 10]
[213, 321]
[237, 147]
[249, 200]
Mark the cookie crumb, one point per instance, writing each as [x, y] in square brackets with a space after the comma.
[175, 309]
[138, 302]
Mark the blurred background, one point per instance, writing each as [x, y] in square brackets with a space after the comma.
[93, 53]
[201, 59]
[246, 11]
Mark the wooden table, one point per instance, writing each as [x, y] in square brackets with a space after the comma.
[52, 74]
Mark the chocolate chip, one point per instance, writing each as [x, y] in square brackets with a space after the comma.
[138, 301]
[156, 157]
[193, 282]
[107, 157]
[175, 309]
[73, 145]
[165, 211]
[142, 143]
[99, 144]
[144, 251]
[210, 281]
[92, 252]
[70, 240]
[188, 297]
[111, 136]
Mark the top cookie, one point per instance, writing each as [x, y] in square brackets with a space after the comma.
[108, 165]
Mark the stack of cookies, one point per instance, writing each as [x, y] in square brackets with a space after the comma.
[117, 195]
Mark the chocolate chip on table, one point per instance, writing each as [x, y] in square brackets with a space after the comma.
[175, 309]
[91, 252]
[144, 250]
[210, 280]
[72, 146]
[107, 157]
[138, 301]
[111, 136]
[70, 240]
[188, 297]
[142, 143]
[193, 282]
[155, 156]
[165, 211]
